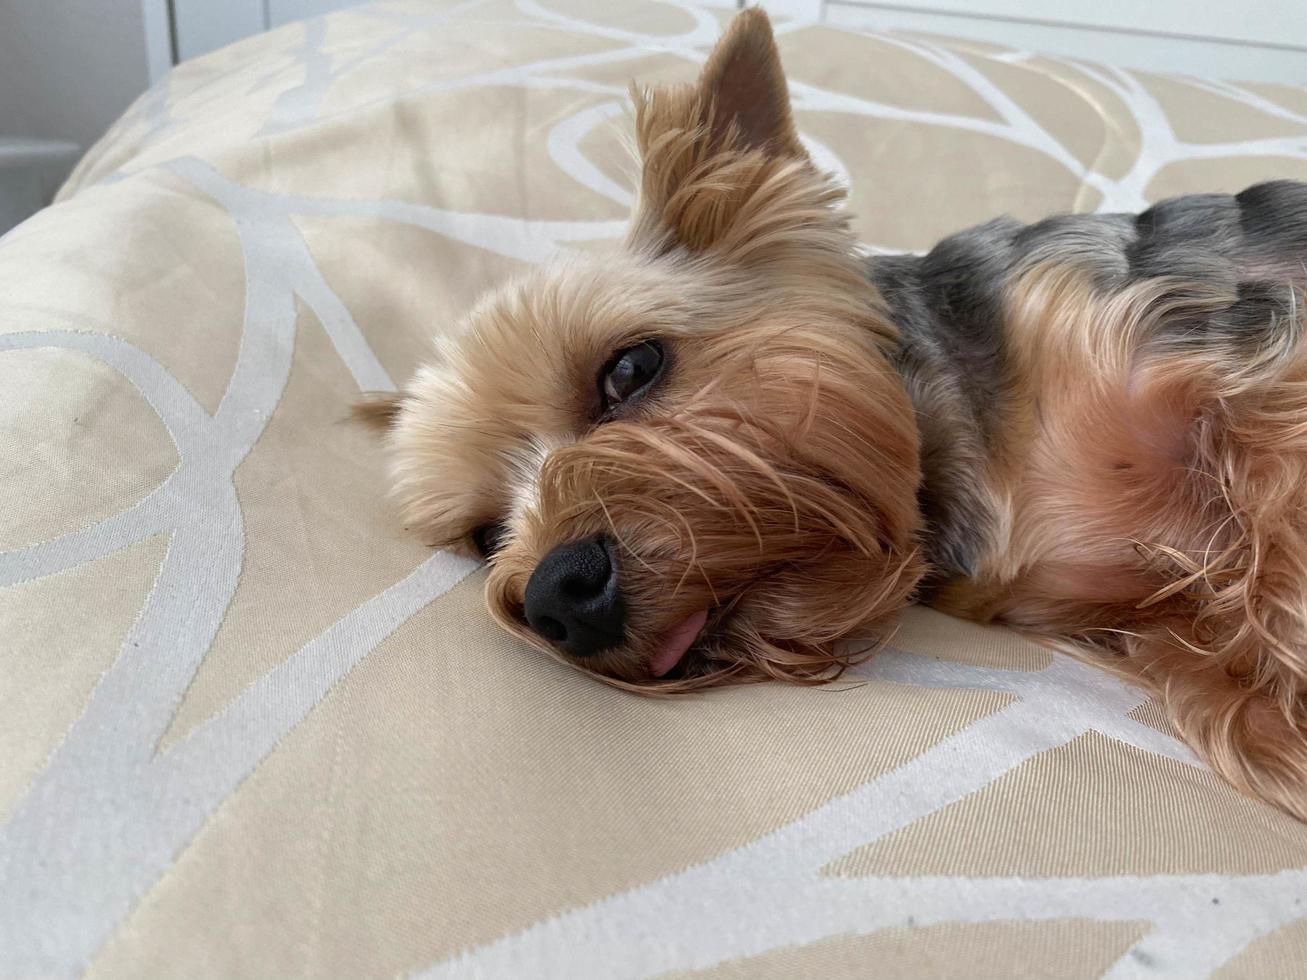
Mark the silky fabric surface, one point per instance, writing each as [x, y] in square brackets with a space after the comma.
[251, 727]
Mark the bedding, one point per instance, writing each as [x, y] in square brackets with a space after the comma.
[250, 727]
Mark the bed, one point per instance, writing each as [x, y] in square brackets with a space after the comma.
[250, 727]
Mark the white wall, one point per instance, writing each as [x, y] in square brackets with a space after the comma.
[1251, 40]
[206, 25]
[68, 68]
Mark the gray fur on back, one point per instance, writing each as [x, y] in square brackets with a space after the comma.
[948, 305]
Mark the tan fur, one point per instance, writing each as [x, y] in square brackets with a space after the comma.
[742, 498]
[1155, 508]
[771, 478]
[377, 409]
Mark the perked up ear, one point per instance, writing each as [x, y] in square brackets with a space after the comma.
[711, 153]
[743, 87]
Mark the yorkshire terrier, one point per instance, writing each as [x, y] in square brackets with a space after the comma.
[722, 451]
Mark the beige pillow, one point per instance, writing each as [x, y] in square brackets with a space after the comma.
[249, 727]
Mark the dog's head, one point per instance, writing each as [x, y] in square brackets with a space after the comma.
[688, 461]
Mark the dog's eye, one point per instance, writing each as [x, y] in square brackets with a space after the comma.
[629, 373]
[488, 538]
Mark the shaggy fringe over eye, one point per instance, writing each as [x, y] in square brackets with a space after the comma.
[780, 494]
[1220, 629]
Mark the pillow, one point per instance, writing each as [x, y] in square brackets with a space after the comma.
[249, 726]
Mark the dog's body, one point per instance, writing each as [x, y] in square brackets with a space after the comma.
[718, 453]
[1113, 412]
[1216, 273]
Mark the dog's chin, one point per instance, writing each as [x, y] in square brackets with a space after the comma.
[696, 652]
[707, 649]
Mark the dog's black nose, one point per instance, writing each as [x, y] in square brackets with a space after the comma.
[572, 598]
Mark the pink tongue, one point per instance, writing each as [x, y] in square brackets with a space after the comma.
[674, 645]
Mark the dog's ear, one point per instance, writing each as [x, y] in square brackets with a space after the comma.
[377, 409]
[743, 88]
[707, 149]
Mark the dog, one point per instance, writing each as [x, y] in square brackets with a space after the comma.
[722, 451]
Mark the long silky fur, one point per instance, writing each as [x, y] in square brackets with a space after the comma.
[779, 494]
[772, 479]
[1178, 475]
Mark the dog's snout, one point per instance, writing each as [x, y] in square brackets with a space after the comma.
[573, 599]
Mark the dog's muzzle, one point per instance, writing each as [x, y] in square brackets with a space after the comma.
[573, 600]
